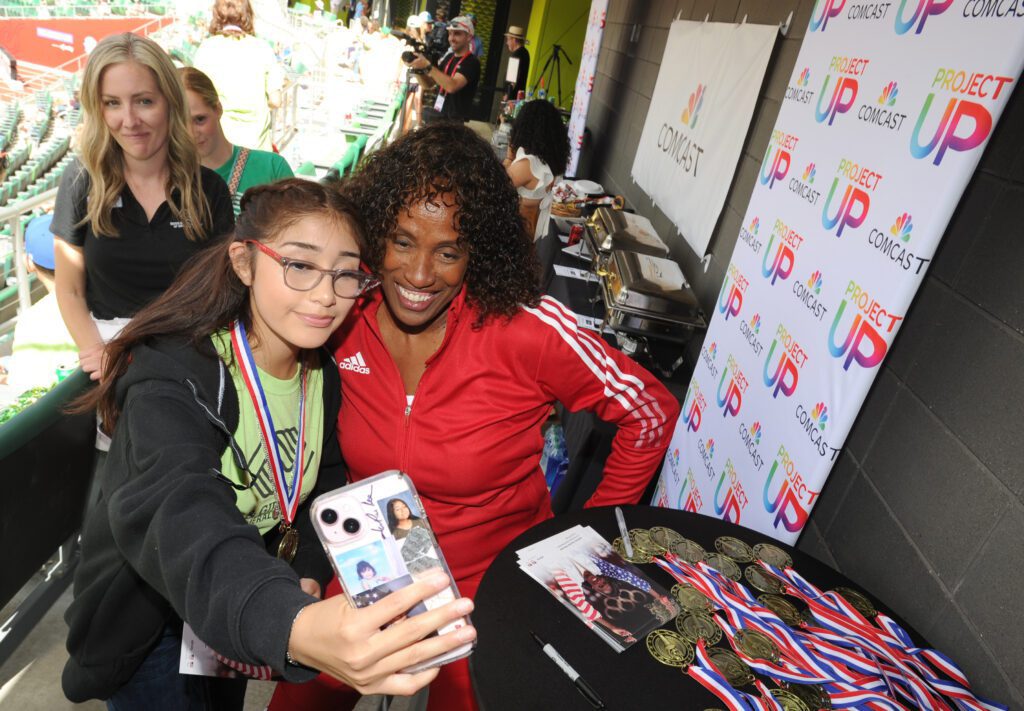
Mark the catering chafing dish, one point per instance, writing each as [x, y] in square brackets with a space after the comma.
[609, 230]
[648, 296]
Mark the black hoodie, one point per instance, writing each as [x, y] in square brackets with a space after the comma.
[166, 540]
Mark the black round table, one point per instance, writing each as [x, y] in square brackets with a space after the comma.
[510, 671]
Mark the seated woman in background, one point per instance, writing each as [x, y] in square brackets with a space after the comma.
[452, 367]
[538, 152]
[204, 520]
[136, 204]
[241, 168]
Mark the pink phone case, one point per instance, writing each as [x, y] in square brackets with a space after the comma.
[377, 536]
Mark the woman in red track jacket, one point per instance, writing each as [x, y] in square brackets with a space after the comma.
[450, 369]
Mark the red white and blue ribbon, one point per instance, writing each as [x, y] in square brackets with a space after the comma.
[287, 492]
[859, 664]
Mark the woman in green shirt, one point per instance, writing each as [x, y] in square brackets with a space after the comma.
[241, 168]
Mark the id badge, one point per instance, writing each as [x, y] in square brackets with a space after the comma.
[439, 102]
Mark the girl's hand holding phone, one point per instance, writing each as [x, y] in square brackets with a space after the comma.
[350, 644]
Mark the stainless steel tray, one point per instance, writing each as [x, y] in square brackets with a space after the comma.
[649, 324]
[609, 230]
[651, 284]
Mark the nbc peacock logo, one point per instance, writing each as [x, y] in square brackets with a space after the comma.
[708, 355]
[749, 235]
[902, 227]
[750, 332]
[814, 283]
[798, 91]
[713, 350]
[809, 173]
[674, 459]
[710, 447]
[690, 113]
[819, 415]
[889, 93]
[755, 433]
[813, 424]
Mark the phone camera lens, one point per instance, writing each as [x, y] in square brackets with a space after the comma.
[351, 525]
[329, 516]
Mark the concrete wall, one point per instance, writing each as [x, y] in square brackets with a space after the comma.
[923, 508]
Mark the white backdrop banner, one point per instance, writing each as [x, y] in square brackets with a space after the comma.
[585, 82]
[703, 101]
[886, 115]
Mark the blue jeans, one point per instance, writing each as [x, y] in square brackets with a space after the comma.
[158, 686]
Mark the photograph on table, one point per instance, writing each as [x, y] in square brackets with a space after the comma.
[611, 596]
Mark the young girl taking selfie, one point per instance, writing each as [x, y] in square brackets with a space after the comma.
[222, 406]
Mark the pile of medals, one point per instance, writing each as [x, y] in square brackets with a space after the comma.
[724, 671]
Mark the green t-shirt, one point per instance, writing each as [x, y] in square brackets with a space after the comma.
[259, 503]
[261, 167]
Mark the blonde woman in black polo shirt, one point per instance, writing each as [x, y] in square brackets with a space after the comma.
[137, 204]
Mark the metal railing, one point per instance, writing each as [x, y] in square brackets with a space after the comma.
[12, 216]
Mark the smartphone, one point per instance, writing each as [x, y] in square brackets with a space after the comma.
[377, 536]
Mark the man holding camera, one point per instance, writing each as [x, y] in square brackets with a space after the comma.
[456, 74]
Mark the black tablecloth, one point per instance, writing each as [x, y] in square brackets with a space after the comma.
[508, 668]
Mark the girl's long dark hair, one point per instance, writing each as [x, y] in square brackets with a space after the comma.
[540, 131]
[207, 296]
[393, 519]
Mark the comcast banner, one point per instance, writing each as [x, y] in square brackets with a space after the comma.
[883, 122]
[701, 108]
[585, 82]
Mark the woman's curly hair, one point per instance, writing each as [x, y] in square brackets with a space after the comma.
[539, 130]
[449, 159]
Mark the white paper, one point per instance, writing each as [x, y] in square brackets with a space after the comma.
[663, 273]
[575, 273]
[641, 229]
[197, 658]
[512, 73]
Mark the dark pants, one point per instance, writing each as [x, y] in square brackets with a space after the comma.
[157, 685]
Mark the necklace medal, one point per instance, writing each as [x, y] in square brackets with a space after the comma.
[287, 493]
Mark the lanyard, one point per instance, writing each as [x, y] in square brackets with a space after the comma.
[287, 494]
[448, 66]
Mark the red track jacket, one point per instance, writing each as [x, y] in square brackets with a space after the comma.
[471, 440]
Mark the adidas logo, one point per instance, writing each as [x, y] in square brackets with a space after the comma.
[354, 363]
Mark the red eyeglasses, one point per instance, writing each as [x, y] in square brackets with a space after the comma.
[303, 276]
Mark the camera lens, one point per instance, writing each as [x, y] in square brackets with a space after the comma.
[350, 525]
[329, 516]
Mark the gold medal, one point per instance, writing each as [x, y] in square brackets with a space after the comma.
[757, 645]
[641, 539]
[688, 550]
[724, 565]
[789, 701]
[639, 555]
[763, 580]
[814, 696]
[734, 669]
[289, 544]
[858, 601]
[696, 625]
[670, 648]
[663, 538]
[734, 548]
[773, 555]
[783, 609]
[690, 598]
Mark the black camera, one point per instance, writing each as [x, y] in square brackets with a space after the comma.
[329, 516]
[351, 525]
[418, 47]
